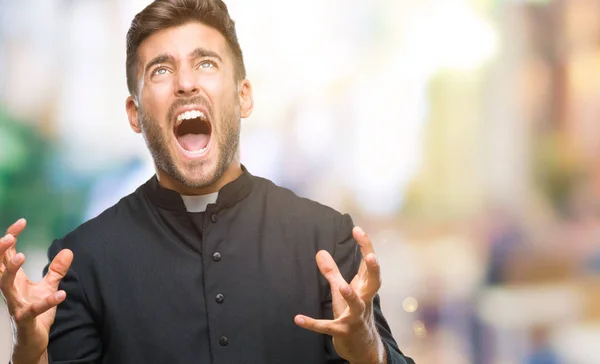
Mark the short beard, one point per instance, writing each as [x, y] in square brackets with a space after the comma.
[228, 140]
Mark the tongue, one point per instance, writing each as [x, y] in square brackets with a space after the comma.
[193, 142]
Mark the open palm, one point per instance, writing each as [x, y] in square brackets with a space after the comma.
[32, 306]
[353, 329]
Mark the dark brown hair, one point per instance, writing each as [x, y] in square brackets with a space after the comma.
[162, 14]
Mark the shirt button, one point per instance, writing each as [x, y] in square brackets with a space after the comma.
[220, 298]
[223, 341]
[213, 218]
[217, 256]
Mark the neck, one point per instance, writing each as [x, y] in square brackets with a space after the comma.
[231, 174]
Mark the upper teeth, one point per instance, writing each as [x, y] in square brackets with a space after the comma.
[192, 114]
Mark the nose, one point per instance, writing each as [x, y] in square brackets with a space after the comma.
[187, 83]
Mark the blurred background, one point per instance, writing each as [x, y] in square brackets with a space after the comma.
[462, 135]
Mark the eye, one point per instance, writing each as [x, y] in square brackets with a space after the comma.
[206, 64]
[160, 71]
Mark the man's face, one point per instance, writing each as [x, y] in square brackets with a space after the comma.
[189, 103]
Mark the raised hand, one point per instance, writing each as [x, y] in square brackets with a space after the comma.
[32, 306]
[353, 329]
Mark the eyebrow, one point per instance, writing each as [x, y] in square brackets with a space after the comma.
[196, 53]
[203, 52]
[161, 58]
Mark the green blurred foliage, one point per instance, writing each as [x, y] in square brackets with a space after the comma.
[33, 184]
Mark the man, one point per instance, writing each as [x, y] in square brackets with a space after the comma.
[204, 263]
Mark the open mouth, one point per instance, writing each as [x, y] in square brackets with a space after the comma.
[192, 131]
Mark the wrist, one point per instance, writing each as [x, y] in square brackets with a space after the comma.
[24, 357]
[28, 353]
[375, 354]
[25, 349]
[28, 359]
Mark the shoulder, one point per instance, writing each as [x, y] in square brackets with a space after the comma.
[94, 233]
[287, 205]
[310, 223]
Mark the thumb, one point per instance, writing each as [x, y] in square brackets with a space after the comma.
[59, 267]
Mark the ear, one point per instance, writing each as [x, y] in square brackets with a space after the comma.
[132, 114]
[246, 98]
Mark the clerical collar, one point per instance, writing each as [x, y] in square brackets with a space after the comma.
[228, 195]
[199, 203]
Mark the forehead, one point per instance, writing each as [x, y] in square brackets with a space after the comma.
[180, 41]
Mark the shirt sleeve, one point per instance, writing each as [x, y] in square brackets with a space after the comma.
[347, 256]
[74, 336]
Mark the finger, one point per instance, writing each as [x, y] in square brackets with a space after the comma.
[362, 270]
[328, 327]
[366, 247]
[39, 307]
[331, 272]
[373, 274]
[6, 242]
[59, 267]
[7, 280]
[328, 267]
[8, 249]
[17, 228]
[355, 303]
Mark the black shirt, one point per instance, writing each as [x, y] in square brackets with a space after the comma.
[152, 283]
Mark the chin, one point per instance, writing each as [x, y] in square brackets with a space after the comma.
[198, 175]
